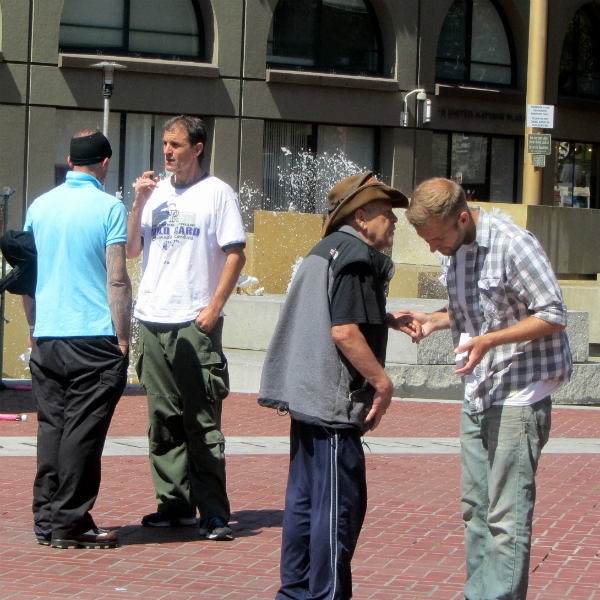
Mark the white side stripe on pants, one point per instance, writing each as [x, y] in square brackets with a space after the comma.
[333, 513]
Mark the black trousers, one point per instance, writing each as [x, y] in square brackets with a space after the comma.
[325, 506]
[77, 383]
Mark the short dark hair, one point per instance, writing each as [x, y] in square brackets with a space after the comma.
[194, 128]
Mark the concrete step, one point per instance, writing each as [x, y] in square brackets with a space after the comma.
[245, 368]
[420, 381]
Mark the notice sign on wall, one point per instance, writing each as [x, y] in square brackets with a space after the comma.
[538, 160]
[540, 115]
[539, 143]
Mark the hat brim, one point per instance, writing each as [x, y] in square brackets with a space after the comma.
[369, 192]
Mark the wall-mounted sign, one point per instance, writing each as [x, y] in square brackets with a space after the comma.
[483, 115]
[538, 160]
[540, 115]
[539, 143]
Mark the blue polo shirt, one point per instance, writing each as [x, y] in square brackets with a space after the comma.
[72, 225]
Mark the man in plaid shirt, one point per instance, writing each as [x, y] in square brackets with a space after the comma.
[508, 319]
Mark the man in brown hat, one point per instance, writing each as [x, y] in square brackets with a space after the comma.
[325, 366]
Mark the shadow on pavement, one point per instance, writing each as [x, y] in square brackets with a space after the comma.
[245, 523]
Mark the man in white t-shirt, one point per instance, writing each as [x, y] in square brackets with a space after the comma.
[507, 317]
[190, 230]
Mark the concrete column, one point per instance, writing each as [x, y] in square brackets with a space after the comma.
[536, 83]
[224, 150]
[251, 170]
[12, 158]
[42, 142]
[402, 173]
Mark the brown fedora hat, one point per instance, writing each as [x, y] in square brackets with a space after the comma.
[355, 191]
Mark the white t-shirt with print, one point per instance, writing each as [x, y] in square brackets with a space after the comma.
[184, 233]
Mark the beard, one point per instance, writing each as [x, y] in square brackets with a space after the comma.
[461, 237]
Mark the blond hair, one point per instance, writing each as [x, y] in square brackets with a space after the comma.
[435, 198]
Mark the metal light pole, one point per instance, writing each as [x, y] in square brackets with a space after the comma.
[536, 84]
[7, 192]
[421, 97]
[108, 85]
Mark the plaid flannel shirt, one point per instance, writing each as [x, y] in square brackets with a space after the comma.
[508, 277]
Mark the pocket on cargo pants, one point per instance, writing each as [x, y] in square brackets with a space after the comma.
[216, 379]
[215, 370]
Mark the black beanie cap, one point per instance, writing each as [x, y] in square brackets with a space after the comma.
[90, 149]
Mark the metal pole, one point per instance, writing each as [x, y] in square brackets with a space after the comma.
[106, 115]
[5, 198]
[536, 84]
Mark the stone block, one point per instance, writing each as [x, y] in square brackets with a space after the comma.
[577, 330]
[439, 381]
[518, 213]
[281, 239]
[584, 296]
[15, 339]
[416, 281]
[250, 321]
[245, 369]
[425, 381]
[437, 349]
[430, 286]
[584, 387]
[408, 247]
[400, 348]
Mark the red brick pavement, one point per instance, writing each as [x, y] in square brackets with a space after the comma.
[243, 416]
[410, 547]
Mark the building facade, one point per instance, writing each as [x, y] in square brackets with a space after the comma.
[292, 88]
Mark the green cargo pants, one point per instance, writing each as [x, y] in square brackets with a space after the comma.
[185, 375]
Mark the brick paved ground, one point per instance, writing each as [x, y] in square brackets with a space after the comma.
[410, 548]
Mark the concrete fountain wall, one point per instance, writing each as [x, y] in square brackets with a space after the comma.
[424, 370]
[280, 239]
[570, 237]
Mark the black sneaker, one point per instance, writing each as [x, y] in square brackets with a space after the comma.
[167, 519]
[215, 529]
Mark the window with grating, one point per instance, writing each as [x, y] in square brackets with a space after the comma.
[475, 45]
[170, 29]
[579, 73]
[334, 36]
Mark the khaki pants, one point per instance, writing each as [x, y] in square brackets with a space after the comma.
[185, 375]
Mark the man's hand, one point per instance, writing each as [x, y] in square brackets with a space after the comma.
[234, 263]
[476, 349]
[530, 328]
[207, 318]
[144, 187]
[400, 321]
[416, 324]
[353, 345]
[381, 402]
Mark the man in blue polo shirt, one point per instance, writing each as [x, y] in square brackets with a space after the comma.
[80, 318]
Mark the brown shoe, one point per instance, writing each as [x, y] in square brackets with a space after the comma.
[94, 538]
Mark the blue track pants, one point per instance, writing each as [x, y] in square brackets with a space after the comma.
[325, 506]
